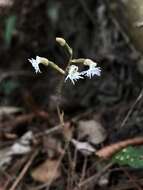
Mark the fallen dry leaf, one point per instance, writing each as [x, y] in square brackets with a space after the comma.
[107, 151]
[47, 171]
[20, 147]
[5, 157]
[93, 130]
[84, 147]
[6, 110]
[4, 3]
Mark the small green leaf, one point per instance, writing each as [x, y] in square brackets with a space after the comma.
[131, 156]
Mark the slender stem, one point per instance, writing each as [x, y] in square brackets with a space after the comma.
[56, 67]
[78, 61]
[69, 50]
[46, 62]
[60, 86]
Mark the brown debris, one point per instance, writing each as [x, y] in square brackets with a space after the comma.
[109, 150]
[47, 171]
[93, 129]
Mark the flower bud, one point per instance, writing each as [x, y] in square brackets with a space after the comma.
[61, 41]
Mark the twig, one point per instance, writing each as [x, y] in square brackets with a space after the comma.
[59, 127]
[127, 185]
[132, 179]
[132, 108]
[87, 12]
[23, 172]
[22, 119]
[117, 25]
[70, 171]
[94, 178]
[73, 167]
[16, 121]
[49, 131]
[83, 170]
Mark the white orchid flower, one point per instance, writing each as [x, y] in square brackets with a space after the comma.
[73, 74]
[35, 63]
[93, 70]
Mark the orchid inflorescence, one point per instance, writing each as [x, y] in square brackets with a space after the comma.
[71, 72]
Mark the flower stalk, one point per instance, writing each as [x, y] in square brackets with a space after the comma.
[54, 66]
[64, 44]
[72, 71]
[78, 61]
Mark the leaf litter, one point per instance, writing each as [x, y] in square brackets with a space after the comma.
[21, 147]
[92, 130]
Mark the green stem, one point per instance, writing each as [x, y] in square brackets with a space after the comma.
[77, 61]
[53, 65]
[69, 49]
[46, 62]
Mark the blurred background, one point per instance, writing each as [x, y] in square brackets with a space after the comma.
[29, 28]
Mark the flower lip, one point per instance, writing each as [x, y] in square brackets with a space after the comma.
[38, 59]
[93, 70]
[73, 74]
[35, 63]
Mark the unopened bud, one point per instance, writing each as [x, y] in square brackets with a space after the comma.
[61, 41]
[89, 62]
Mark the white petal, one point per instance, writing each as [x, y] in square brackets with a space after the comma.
[38, 59]
[73, 81]
[73, 74]
[35, 64]
[91, 72]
